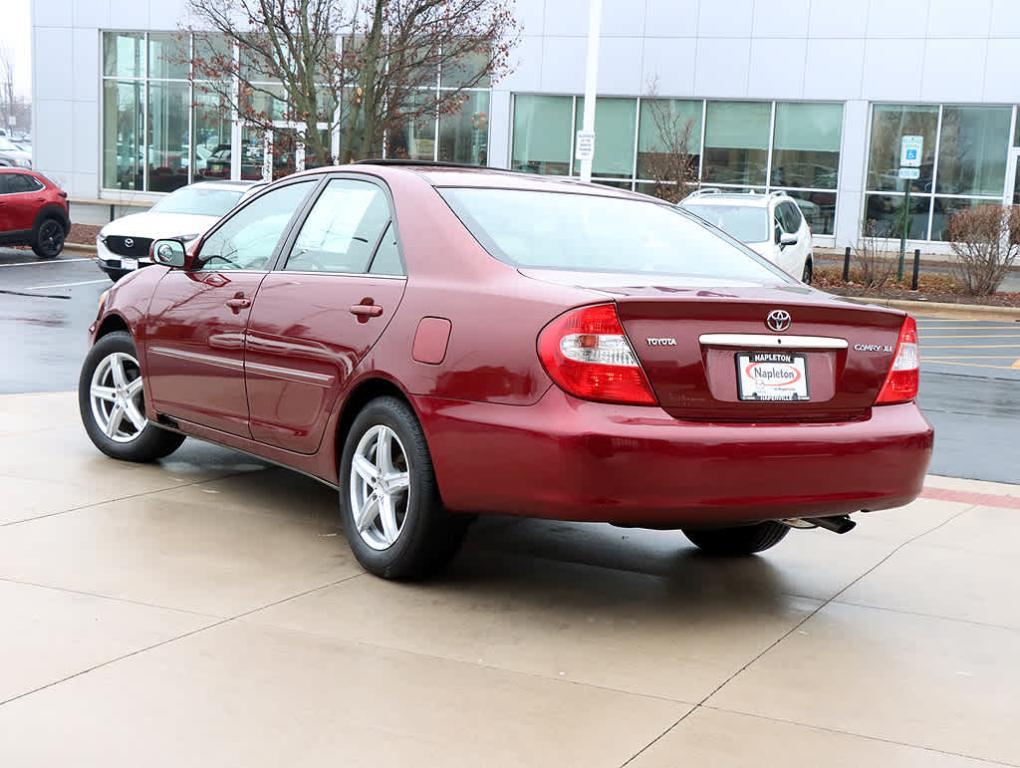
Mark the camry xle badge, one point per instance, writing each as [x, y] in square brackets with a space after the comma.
[129, 242]
[661, 342]
[778, 320]
[873, 348]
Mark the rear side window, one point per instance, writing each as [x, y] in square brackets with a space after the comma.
[21, 182]
[342, 229]
[589, 233]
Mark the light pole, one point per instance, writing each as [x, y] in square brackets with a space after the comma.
[590, 84]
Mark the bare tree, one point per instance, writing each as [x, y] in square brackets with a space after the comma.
[670, 164]
[875, 268]
[8, 102]
[361, 73]
[986, 241]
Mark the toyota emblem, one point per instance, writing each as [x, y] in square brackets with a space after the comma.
[129, 242]
[778, 320]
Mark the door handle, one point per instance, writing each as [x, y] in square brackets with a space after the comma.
[365, 311]
[237, 304]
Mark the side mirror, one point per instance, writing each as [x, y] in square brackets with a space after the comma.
[169, 253]
[787, 238]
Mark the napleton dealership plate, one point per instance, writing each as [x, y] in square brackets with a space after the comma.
[772, 376]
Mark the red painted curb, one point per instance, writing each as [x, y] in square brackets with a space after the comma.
[970, 497]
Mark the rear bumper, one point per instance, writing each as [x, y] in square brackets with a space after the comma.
[573, 460]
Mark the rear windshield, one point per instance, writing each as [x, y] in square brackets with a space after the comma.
[749, 224]
[205, 201]
[588, 233]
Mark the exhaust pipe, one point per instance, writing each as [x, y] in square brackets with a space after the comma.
[838, 524]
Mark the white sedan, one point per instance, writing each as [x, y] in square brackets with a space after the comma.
[122, 246]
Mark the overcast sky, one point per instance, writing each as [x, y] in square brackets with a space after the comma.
[16, 36]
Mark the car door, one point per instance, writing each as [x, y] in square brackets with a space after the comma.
[786, 256]
[320, 312]
[194, 336]
[21, 199]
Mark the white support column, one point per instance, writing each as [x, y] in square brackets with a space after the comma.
[591, 77]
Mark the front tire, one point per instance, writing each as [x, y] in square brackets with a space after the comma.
[739, 539]
[394, 519]
[809, 272]
[111, 399]
[48, 238]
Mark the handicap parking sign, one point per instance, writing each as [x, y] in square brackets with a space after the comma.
[910, 151]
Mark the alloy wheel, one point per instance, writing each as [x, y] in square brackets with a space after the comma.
[380, 487]
[117, 400]
[51, 237]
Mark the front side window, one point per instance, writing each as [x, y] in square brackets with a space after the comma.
[248, 239]
[588, 233]
[342, 230]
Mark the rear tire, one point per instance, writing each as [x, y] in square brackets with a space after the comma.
[48, 238]
[104, 388]
[420, 537]
[738, 540]
[809, 270]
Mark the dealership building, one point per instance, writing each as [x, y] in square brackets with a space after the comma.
[809, 96]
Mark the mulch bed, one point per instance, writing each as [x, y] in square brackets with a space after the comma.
[83, 234]
[931, 287]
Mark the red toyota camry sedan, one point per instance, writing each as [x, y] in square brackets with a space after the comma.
[438, 342]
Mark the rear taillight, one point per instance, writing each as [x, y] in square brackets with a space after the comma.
[904, 377]
[587, 354]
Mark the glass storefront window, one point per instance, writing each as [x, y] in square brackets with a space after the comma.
[614, 127]
[806, 145]
[889, 124]
[167, 146]
[124, 54]
[542, 134]
[123, 120]
[886, 213]
[415, 139]
[945, 207]
[169, 55]
[972, 150]
[211, 154]
[464, 134]
[466, 71]
[819, 208]
[682, 123]
[736, 142]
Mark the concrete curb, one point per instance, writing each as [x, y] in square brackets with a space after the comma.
[79, 247]
[940, 309]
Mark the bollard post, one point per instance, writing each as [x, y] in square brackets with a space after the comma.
[917, 269]
[846, 265]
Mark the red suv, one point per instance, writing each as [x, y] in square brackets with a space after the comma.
[33, 211]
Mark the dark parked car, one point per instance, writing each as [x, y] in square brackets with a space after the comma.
[441, 342]
[33, 211]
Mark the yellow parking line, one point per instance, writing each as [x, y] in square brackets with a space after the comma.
[978, 365]
[966, 328]
[978, 336]
[970, 346]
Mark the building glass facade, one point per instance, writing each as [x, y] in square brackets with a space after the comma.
[964, 162]
[151, 109]
[765, 145]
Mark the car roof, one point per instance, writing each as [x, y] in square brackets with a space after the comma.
[454, 175]
[226, 184]
[742, 199]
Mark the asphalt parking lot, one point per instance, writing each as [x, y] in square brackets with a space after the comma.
[206, 610]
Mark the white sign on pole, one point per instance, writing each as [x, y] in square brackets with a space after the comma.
[910, 173]
[12, 120]
[911, 149]
[584, 146]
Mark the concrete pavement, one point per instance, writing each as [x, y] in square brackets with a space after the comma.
[206, 611]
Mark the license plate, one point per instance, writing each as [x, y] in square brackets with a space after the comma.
[129, 263]
[772, 376]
